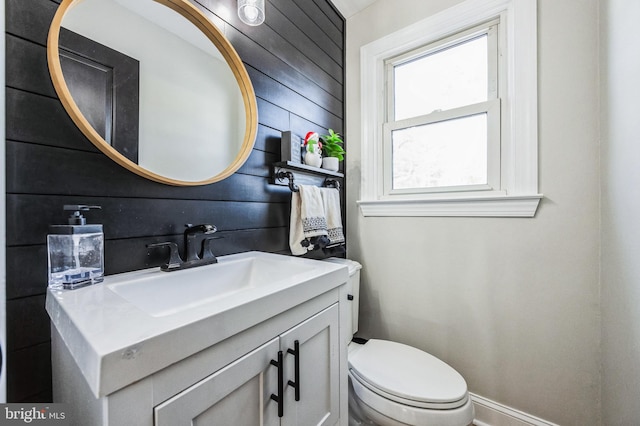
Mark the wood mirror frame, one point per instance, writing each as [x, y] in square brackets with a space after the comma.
[197, 18]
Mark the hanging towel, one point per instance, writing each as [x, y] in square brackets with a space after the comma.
[331, 203]
[308, 225]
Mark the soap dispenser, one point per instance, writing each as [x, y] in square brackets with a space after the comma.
[76, 251]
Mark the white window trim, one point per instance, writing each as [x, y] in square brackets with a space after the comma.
[518, 196]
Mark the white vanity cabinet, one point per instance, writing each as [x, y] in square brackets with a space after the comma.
[229, 382]
[293, 379]
[256, 339]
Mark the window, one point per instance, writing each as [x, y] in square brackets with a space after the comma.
[450, 114]
[443, 116]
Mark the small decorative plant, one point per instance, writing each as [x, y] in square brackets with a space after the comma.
[332, 145]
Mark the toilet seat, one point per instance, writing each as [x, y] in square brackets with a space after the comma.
[385, 412]
[407, 375]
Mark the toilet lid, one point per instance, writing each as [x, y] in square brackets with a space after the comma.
[408, 373]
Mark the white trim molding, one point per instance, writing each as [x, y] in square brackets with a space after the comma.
[491, 413]
[518, 193]
[507, 206]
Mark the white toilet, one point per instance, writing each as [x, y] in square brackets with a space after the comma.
[391, 384]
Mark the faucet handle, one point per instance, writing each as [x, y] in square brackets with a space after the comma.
[174, 257]
[206, 249]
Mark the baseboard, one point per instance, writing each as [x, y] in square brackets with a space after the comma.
[491, 413]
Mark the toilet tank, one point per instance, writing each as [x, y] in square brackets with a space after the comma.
[353, 287]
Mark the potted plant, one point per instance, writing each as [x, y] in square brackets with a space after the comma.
[333, 151]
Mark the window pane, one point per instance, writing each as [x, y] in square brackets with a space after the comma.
[445, 79]
[446, 153]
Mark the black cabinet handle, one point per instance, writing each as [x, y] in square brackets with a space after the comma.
[349, 296]
[296, 353]
[279, 398]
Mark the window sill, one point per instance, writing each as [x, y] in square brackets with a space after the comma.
[503, 206]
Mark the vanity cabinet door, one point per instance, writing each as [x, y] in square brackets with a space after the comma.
[319, 370]
[238, 394]
[241, 393]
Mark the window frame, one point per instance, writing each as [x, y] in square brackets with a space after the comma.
[491, 107]
[515, 192]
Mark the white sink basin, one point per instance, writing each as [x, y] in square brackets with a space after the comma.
[165, 293]
[137, 323]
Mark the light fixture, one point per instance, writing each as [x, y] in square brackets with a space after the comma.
[251, 12]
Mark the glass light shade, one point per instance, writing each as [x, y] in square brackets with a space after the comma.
[251, 12]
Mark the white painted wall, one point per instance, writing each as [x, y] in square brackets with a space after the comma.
[620, 211]
[513, 304]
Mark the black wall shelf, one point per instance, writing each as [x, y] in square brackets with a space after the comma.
[285, 172]
[306, 169]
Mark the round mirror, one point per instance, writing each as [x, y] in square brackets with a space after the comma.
[155, 86]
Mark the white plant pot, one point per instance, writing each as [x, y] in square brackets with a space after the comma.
[330, 163]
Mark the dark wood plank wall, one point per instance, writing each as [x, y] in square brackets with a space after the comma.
[295, 61]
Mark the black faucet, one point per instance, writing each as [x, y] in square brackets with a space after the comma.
[197, 245]
[195, 240]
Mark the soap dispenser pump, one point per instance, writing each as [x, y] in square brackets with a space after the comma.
[76, 251]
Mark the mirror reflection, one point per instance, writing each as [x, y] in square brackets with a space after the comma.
[156, 89]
